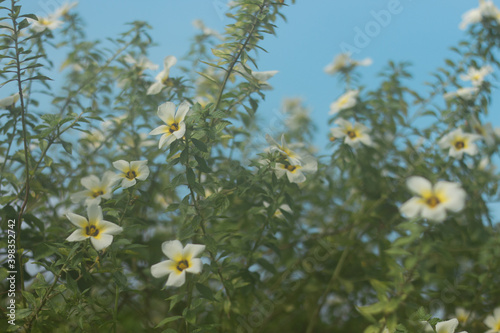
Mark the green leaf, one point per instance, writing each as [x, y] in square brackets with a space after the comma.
[168, 320]
[191, 177]
[200, 145]
[205, 291]
[202, 164]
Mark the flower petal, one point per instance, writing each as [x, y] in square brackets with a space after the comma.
[176, 280]
[102, 242]
[172, 249]
[166, 112]
[195, 267]
[162, 268]
[94, 213]
[419, 185]
[447, 326]
[77, 236]
[182, 110]
[122, 165]
[193, 250]
[77, 220]
[412, 207]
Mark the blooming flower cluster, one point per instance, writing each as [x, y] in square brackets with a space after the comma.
[52, 21]
[174, 120]
[353, 134]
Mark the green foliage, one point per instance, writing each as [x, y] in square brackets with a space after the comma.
[333, 253]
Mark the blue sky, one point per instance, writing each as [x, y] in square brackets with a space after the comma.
[416, 31]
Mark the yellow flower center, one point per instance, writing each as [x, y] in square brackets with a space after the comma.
[173, 128]
[476, 77]
[432, 201]
[182, 265]
[290, 167]
[130, 174]
[497, 326]
[352, 134]
[167, 82]
[459, 144]
[97, 193]
[343, 101]
[44, 21]
[91, 230]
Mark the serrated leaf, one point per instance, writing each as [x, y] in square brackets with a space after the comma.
[200, 145]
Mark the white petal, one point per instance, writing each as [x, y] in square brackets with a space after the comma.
[77, 220]
[162, 268]
[126, 183]
[109, 228]
[122, 165]
[163, 129]
[176, 280]
[296, 177]
[169, 61]
[418, 185]
[172, 249]
[167, 139]
[77, 236]
[412, 207]
[182, 110]
[143, 172]
[166, 112]
[338, 132]
[94, 213]
[90, 182]
[155, 88]
[437, 214]
[196, 266]
[447, 326]
[193, 250]
[80, 196]
[181, 131]
[103, 242]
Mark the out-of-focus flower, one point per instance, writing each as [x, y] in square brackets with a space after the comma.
[353, 134]
[448, 326]
[262, 78]
[343, 61]
[493, 321]
[485, 10]
[181, 260]
[98, 230]
[463, 315]
[464, 93]
[65, 8]
[295, 172]
[9, 101]
[205, 30]
[476, 76]
[346, 101]
[142, 63]
[283, 149]
[131, 171]
[162, 79]
[278, 213]
[175, 127]
[459, 143]
[486, 131]
[50, 22]
[432, 202]
[95, 189]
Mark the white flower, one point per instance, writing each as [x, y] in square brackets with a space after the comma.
[278, 213]
[346, 101]
[493, 322]
[283, 149]
[448, 326]
[205, 30]
[432, 202]
[50, 22]
[486, 131]
[181, 260]
[262, 78]
[95, 189]
[343, 61]
[295, 172]
[64, 9]
[175, 127]
[141, 63]
[476, 76]
[459, 143]
[486, 9]
[354, 134]
[9, 101]
[162, 77]
[465, 93]
[98, 230]
[130, 171]
[463, 315]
